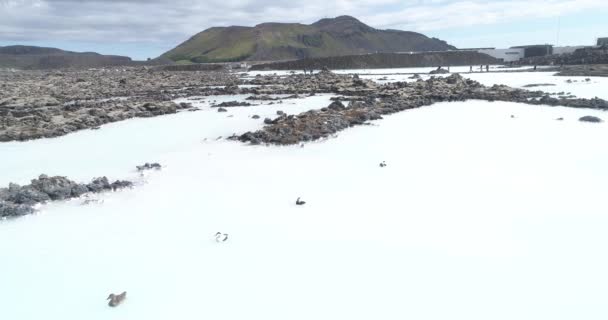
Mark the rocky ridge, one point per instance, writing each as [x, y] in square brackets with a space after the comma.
[369, 101]
[35, 104]
[19, 200]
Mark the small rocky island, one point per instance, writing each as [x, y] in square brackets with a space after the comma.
[370, 101]
[19, 200]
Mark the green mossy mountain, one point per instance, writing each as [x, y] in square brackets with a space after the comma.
[339, 36]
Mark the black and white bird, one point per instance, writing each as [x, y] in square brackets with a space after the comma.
[300, 202]
[116, 299]
[221, 237]
[382, 164]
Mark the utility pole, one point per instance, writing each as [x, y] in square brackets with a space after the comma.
[559, 21]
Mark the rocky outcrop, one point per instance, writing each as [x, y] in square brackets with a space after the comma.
[229, 104]
[439, 70]
[300, 84]
[35, 104]
[596, 70]
[149, 166]
[19, 200]
[533, 85]
[395, 97]
[31, 120]
[590, 119]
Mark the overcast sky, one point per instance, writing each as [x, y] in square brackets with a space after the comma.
[147, 28]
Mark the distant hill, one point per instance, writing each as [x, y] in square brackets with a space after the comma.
[31, 57]
[339, 36]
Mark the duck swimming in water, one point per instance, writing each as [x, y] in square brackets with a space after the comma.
[115, 300]
[300, 202]
[221, 237]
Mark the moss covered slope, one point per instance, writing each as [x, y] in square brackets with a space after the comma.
[280, 41]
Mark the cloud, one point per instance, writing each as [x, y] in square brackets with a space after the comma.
[427, 16]
[170, 22]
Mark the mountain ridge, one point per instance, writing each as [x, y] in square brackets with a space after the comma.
[343, 35]
[34, 57]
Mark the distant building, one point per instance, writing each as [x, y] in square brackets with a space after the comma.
[506, 55]
[537, 50]
[567, 49]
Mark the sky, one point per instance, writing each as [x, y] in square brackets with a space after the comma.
[147, 28]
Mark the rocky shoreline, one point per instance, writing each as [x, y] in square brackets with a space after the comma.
[43, 104]
[19, 200]
[36, 104]
[596, 70]
[39, 104]
[64, 102]
[371, 102]
[384, 60]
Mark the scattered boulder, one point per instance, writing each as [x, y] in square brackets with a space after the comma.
[185, 105]
[263, 98]
[255, 116]
[8, 209]
[222, 110]
[149, 166]
[590, 119]
[336, 105]
[532, 85]
[99, 185]
[121, 184]
[229, 104]
[57, 188]
[439, 70]
[27, 195]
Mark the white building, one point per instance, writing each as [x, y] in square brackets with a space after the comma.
[506, 55]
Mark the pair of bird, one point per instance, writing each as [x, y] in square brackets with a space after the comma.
[383, 164]
[221, 237]
[116, 299]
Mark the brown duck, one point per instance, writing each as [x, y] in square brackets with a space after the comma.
[116, 299]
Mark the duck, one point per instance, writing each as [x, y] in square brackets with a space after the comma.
[300, 202]
[221, 237]
[115, 299]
